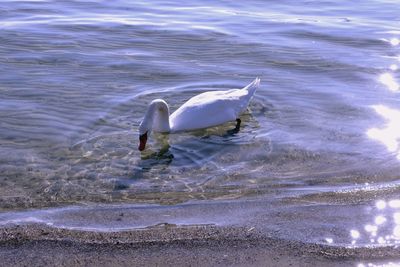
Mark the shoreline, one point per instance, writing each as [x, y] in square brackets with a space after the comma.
[225, 233]
[170, 245]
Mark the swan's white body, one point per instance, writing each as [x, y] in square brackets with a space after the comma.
[204, 110]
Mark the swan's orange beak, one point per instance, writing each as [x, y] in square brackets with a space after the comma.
[142, 141]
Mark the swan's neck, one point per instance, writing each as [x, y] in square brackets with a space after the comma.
[156, 118]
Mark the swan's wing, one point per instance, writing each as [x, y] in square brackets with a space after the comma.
[208, 109]
[212, 108]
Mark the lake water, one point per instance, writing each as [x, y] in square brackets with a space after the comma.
[322, 132]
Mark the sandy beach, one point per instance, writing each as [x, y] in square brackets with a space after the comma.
[168, 245]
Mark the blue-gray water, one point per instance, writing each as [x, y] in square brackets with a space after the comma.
[323, 128]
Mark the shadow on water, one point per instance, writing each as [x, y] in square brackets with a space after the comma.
[193, 150]
[151, 159]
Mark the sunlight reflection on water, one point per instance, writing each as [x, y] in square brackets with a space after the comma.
[390, 82]
[389, 264]
[395, 41]
[384, 227]
[385, 231]
[390, 134]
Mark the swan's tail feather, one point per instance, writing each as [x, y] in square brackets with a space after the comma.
[252, 87]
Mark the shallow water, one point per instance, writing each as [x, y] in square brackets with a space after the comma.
[323, 128]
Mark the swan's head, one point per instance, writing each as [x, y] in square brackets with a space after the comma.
[144, 131]
[156, 118]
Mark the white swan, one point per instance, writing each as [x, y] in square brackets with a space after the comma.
[201, 111]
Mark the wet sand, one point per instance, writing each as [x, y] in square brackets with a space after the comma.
[168, 245]
[226, 233]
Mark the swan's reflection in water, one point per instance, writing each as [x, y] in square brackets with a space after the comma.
[390, 134]
[160, 157]
[192, 149]
[161, 142]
